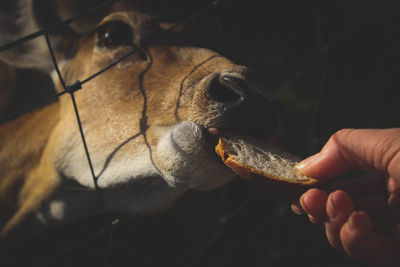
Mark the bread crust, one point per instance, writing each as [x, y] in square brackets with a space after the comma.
[261, 178]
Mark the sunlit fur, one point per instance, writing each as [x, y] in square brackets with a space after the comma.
[144, 121]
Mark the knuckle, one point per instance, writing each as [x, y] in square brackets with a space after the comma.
[342, 134]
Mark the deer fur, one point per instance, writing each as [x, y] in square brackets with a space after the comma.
[145, 122]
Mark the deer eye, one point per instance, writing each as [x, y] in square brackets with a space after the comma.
[114, 34]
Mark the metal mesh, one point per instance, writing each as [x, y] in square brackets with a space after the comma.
[316, 66]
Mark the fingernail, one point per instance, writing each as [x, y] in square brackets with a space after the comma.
[351, 226]
[333, 204]
[301, 201]
[296, 210]
[359, 221]
[306, 163]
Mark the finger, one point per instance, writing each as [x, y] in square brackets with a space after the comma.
[360, 243]
[317, 221]
[313, 203]
[338, 208]
[296, 207]
[363, 149]
[393, 186]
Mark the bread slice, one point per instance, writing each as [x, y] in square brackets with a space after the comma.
[262, 163]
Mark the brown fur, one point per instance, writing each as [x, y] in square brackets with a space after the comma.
[143, 95]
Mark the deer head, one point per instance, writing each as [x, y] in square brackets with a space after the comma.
[150, 122]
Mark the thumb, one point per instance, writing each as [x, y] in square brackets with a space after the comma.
[356, 149]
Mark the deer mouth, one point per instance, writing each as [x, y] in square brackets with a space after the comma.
[186, 157]
[211, 137]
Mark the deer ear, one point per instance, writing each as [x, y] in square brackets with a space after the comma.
[17, 20]
[20, 18]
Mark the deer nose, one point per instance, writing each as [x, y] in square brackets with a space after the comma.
[227, 90]
[241, 107]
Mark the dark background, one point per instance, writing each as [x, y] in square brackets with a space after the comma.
[333, 64]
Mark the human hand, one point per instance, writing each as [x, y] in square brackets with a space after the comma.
[362, 220]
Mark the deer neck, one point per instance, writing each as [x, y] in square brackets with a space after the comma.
[21, 145]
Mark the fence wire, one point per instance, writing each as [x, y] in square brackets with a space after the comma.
[78, 85]
[320, 55]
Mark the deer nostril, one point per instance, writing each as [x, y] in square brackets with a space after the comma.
[227, 90]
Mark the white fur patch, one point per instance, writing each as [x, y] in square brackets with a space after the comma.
[123, 168]
[136, 182]
[185, 160]
[181, 157]
[127, 168]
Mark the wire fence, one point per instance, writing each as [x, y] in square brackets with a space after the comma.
[78, 85]
[279, 213]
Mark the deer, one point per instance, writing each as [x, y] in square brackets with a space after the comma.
[150, 122]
